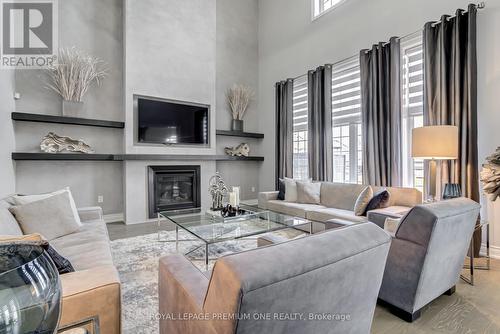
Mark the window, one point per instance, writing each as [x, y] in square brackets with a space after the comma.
[346, 122]
[412, 90]
[300, 158]
[322, 6]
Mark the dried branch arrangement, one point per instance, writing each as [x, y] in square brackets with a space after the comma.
[490, 175]
[74, 73]
[238, 98]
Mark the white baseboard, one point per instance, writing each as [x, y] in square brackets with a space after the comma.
[114, 217]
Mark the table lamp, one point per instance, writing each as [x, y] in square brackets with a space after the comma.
[439, 142]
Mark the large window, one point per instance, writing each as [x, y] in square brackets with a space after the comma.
[346, 121]
[412, 106]
[322, 6]
[300, 158]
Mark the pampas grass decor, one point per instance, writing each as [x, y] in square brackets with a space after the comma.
[238, 98]
[74, 72]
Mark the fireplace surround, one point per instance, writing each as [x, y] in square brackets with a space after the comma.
[173, 188]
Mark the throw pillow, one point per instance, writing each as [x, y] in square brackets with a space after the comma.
[54, 216]
[378, 201]
[362, 201]
[391, 224]
[291, 190]
[62, 264]
[308, 192]
[8, 224]
[25, 199]
[281, 189]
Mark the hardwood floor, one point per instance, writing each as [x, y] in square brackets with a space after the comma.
[472, 309]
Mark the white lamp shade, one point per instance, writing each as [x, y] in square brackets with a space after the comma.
[438, 142]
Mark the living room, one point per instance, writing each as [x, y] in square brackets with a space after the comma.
[198, 155]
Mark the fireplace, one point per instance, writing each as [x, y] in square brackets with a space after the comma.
[173, 188]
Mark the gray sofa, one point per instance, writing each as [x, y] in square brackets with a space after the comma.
[337, 202]
[94, 288]
[281, 280]
[427, 254]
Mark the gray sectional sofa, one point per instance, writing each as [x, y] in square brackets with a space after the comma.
[337, 202]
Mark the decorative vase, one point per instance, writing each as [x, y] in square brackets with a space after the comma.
[73, 109]
[30, 290]
[237, 125]
[451, 190]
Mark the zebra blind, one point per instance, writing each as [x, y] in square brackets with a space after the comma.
[300, 121]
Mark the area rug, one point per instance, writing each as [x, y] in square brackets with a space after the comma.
[137, 262]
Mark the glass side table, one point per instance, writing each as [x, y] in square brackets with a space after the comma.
[471, 266]
[86, 326]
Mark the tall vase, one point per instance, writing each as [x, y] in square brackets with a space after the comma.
[237, 125]
[73, 109]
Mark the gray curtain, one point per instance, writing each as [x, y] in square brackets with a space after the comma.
[320, 145]
[284, 129]
[450, 93]
[381, 114]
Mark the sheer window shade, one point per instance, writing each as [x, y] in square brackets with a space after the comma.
[300, 99]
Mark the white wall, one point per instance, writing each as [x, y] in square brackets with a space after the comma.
[7, 176]
[290, 44]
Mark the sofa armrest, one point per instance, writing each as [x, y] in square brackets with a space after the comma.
[264, 197]
[90, 214]
[92, 292]
[182, 289]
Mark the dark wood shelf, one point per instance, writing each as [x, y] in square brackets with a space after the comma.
[125, 157]
[63, 156]
[26, 117]
[239, 134]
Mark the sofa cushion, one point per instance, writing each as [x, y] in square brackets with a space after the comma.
[290, 190]
[379, 200]
[308, 192]
[281, 189]
[340, 195]
[323, 215]
[53, 216]
[378, 216]
[87, 248]
[362, 201]
[292, 209]
[8, 224]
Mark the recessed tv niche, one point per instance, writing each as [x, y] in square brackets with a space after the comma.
[168, 122]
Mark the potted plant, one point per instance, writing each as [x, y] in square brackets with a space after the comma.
[238, 99]
[71, 77]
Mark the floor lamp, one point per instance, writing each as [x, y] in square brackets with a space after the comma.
[434, 143]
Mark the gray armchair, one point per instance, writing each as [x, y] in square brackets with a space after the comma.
[427, 254]
[329, 282]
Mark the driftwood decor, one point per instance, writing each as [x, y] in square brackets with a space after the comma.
[490, 175]
[53, 143]
[242, 150]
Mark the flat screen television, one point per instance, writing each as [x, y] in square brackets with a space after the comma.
[171, 122]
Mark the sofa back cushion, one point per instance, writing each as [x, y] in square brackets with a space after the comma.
[8, 224]
[290, 278]
[340, 195]
[402, 196]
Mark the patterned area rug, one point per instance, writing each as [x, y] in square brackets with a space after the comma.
[137, 262]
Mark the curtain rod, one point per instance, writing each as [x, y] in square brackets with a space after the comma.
[480, 5]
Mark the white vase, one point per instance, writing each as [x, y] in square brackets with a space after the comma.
[73, 109]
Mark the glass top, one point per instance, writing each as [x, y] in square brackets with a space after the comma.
[211, 228]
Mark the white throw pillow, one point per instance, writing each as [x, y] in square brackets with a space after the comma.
[25, 199]
[391, 225]
[308, 192]
[53, 216]
[362, 202]
[8, 224]
[290, 190]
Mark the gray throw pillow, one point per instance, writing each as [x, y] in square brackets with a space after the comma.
[8, 224]
[53, 217]
[362, 202]
[308, 192]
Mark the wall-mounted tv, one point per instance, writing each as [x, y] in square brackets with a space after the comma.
[168, 122]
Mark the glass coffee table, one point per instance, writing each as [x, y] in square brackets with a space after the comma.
[210, 228]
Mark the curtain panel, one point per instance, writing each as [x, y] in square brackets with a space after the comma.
[320, 142]
[284, 129]
[381, 114]
[450, 93]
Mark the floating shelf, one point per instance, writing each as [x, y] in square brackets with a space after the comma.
[239, 134]
[125, 157]
[26, 117]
